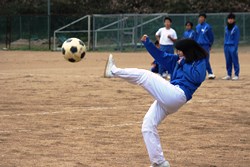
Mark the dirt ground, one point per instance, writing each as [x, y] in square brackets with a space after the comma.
[55, 113]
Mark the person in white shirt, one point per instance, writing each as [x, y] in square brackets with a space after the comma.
[166, 36]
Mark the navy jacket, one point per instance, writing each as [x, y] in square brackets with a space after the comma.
[204, 34]
[189, 34]
[232, 36]
[188, 76]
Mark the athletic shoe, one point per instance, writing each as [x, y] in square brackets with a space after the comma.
[226, 77]
[235, 78]
[109, 64]
[211, 76]
[164, 164]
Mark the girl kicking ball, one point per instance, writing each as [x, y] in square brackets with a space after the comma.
[188, 67]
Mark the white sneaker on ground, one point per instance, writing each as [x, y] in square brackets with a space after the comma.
[211, 76]
[235, 78]
[164, 164]
[109, 65]
[226, 77]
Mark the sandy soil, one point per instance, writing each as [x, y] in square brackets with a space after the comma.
[55, 113]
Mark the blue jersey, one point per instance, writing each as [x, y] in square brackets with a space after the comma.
[204, 34]
[189, 34]
[232, 36]
[188, 76]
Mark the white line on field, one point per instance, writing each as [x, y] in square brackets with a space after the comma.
[75, 128]
[42, 75]
[105, 126]
[57, 112]
[70, 111]
[67, 111]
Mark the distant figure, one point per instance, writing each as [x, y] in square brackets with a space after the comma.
[205, 39]
[231, 41]
[154, 64]
[166, 36]
[189, 33]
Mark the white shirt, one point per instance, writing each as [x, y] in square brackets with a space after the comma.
[163, 33]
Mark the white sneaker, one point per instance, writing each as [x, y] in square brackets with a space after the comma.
[211, 76]
[235, 78]
[109, 65]
[164, 164]
[226, 77]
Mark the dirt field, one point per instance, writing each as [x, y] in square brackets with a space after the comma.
[55, 113]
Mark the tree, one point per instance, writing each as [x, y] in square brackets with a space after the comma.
[83, 7]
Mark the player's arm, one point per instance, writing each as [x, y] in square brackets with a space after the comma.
[197, 33]
[158, 35]
[237, 36]
[165, 59]
[193, 35]
[171, 38]
[210, 36]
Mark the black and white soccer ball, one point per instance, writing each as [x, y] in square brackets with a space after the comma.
[73, 50]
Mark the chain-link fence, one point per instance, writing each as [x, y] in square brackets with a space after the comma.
[123, 32]
[31, 32]
[104, 32]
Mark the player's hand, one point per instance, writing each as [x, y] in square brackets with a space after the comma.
[169, 36]
[144, 37]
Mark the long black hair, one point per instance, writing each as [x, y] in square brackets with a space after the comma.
[191, 50]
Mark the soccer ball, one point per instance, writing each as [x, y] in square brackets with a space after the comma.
[73, 50]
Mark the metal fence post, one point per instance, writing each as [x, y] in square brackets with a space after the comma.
[94, 33]
[244, 27]
[20, 24]
[89, 30]
[49, 24]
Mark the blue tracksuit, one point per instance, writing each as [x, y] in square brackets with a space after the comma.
[231, 42]
[189, 34]
[205, 37]
[188, 76]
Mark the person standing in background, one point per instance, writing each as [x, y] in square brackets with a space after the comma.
[205, 38]
[231, 42]
[189, 33]
[166, 37]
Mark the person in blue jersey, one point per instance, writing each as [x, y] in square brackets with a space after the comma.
[205, 38]
[189, 33]
[166, 37]
[188, 69]
[231, 41]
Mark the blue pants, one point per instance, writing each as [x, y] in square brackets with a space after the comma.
[168, 49]
[231, 55]
[209, 68]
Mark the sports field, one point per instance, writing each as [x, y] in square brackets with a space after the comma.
[55, 113]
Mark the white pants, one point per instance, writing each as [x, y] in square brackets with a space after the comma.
[168, 99]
